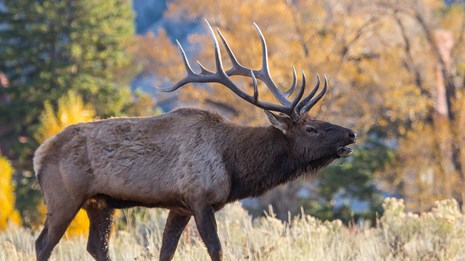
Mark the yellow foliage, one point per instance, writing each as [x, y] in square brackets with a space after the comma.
[153, 52]
[382, 61]
[79, 226]
[7, 199]
[71, 110]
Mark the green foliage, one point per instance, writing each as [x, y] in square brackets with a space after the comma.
[28, 197]
[49, 47]
[350, 180]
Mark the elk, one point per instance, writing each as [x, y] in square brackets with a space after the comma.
[189, 161]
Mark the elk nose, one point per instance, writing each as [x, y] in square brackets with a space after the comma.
[352, 136]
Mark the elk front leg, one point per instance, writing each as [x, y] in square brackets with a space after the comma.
[175, 224]
[206, 224]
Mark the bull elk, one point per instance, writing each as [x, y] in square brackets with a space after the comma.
[189, 161]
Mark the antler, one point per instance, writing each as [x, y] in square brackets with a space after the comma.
[293, 109]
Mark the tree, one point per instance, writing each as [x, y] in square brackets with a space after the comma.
[71, 110]
[50, 47]
[8, 214]
[347, 190]
[305, 34]
[395, 68]
[429, 47]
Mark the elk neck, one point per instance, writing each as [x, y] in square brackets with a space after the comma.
[258, 159]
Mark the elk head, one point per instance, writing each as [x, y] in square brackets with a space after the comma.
[311, 139]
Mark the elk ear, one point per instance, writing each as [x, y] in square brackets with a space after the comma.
[281, 122]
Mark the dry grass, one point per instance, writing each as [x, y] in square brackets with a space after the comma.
[435, 235]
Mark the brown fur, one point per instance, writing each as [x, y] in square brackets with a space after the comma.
[190, 161]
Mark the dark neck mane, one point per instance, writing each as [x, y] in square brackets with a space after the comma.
[258, 159]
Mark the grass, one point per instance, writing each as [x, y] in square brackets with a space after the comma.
[435, 235]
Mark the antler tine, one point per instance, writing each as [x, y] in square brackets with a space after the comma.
[222, 77]
[310, 95]
[308, 106]
[184, 59]
[300, 94]
[185, 80]
[255, 87]
[216, 46]
[265, 66]
[237, 68]
[294, 84]
[203, 70]
[264, 73]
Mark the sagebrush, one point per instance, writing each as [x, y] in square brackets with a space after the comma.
[435, 235]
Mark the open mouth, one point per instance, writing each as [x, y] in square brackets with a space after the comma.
[344, 152]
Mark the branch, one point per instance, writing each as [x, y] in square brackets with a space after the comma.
[429, 36]
[411, 63]
[296, 20]
[361, 30]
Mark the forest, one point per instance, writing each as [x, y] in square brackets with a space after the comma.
[397, 77]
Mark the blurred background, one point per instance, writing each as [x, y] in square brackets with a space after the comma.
[396, 71]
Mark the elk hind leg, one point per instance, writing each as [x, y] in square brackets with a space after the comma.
[58, 219]
[42, 239]
[62, 207]
[101, 220]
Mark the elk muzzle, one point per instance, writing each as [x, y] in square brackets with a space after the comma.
[343, 151]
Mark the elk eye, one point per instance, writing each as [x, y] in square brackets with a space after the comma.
[311, 130]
